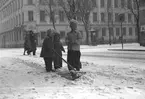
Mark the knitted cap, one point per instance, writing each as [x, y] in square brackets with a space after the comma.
[49, 32]
[73, 21]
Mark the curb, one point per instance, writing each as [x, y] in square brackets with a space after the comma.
[126, 50]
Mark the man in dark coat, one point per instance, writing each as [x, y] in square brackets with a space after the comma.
[73, 40]
[47, 52]
[58, 48]
[27, 44]
[33, 41]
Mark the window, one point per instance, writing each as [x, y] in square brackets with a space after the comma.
[42, 16]
[117, 31]
[94, 3]
[130, 31]
[129, 18]
[110, 16]
[41, 2]
[103, 31]
[134, 19]
[102, 3]
[61, 16]
[22, 17]
[109, 3]
[134, 5]
[124, 31]
[30, 16]
[94, 17]
[79, 18]
[136, 31]
[16, 20]
[129, 4]
[19, 19]
[30, 2]
[116, 17]
[43, 34]
[102, 17]
[62, 34]
[18, 4]
[122, 3]
[111, 31]
[21, 3]
[52, 17]
[116, 3]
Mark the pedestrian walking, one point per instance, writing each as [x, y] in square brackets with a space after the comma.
[33, 42]
[27, 43]
[73, 40]
[47, 52]
[58, 47]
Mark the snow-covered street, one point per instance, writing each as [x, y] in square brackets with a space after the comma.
[109, 75]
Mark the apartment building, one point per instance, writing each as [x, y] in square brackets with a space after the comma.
[19, 16]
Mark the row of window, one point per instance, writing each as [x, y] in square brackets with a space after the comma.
[118, 31]
[13, 22]
[95, 16]
[110, 16]
[104, 32]
[13, 36]
[9, 9]
[118, 3]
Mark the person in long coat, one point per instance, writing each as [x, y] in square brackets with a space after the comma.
[33, 41]
[58, 47]
[27, 44]
[73, 40]
[47, 52]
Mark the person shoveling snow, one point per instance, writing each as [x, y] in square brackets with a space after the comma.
[48, 52]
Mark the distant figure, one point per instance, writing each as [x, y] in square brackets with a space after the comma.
[27, 44]
[58, 48]
[47, 52]
[73, 40]
[33, 41]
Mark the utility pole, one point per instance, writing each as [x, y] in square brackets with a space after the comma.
[121, 19]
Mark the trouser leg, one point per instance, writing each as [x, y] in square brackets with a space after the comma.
[48, 64]
[34, 52]
[70, 59]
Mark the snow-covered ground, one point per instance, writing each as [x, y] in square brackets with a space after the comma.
[24, 77]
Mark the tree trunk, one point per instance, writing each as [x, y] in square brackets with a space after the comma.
[138, 31]
[87, 34]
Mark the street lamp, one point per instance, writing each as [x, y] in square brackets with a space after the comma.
[121, 20]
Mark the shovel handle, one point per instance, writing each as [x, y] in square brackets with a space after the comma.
[64, 60]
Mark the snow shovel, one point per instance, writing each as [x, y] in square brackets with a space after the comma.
[73, 71]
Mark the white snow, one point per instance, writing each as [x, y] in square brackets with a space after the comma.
[24, 77]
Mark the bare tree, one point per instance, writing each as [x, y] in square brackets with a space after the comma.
[69, 7]
[110, 21]
[134, 8]
[78, 8]
[85, 7]
[50, 9]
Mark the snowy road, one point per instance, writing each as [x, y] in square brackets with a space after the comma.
[110, 75]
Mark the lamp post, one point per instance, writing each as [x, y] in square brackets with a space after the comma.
[121, 19]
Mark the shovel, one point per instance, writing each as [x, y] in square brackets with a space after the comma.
[73, 71]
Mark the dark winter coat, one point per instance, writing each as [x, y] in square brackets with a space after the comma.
[33, 41]
[58, 48]
[47, 46]
[27, 42]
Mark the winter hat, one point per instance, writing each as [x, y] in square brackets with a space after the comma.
[73, 23]
[49, 32]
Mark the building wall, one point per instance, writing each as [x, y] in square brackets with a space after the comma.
[14, 21]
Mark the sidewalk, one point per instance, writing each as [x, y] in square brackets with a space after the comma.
[127, 47]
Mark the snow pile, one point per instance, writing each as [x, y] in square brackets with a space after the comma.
[24, 77]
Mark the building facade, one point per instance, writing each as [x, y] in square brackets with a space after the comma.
[19, 16]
